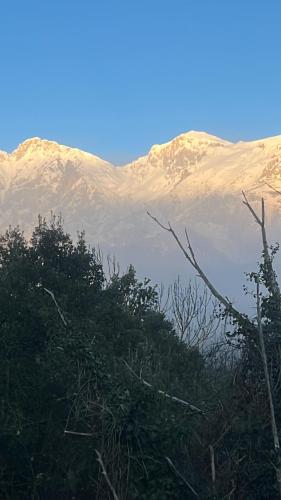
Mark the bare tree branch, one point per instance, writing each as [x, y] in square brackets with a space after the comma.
[193, 312]
[273, 188]
[52, 295]
[173, 398]
[99, 459]
[274, 429]
[229, 495]
[274, 290]
[213, 468]
[74, 433]
[190, 257]
[273, 284]
[178, 473]
[259, 221]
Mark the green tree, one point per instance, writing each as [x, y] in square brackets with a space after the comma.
[76, 351]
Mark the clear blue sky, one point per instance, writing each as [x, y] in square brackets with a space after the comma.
[114, 76]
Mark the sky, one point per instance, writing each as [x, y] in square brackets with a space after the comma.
[113, 77]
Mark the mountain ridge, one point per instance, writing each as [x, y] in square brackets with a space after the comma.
[195, 179]
[193, 134]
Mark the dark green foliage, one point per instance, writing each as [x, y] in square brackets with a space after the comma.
[246, 452]
[86, 363]
[79, 377]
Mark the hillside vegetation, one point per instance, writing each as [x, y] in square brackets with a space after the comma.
[101, 399]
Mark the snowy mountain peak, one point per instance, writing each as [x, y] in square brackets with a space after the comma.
[193, 137]
[198, 135]
[35, 145]
[36, 151]
[183, 155]
[195, 179]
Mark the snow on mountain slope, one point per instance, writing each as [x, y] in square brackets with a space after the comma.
[38, 161]
[167, 165]
[4, 173]
[195, 179]
[195, 163]
[43, 176]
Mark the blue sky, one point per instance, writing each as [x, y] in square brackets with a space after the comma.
[115, 76]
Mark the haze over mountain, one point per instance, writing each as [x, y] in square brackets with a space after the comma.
[194, 180]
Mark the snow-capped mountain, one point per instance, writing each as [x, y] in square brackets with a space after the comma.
[194, 180]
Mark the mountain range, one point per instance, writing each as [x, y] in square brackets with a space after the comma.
[194, 181]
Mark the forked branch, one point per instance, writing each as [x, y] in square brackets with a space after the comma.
[271, 276]
[190, 257]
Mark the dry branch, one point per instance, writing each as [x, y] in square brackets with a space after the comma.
[192, 317]
[213, 468]
[74, 433]
[273, 188]
[274, 290]
[178, 473]
[274, 429]
[190, 257]
[52, 295]
[163, 393]
[100, 461]
[273, 284]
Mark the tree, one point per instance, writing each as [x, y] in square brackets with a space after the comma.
[75, 350]
[260, 359]
[194, 314]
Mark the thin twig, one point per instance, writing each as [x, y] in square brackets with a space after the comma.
[213, 468]
[99, 459]
[273, 283]
[173, 398]
[178, 473]
[87, 434]
[229, 495]
[52, 295]
[273, 188]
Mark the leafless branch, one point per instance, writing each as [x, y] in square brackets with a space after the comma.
[100, 461]
[273, 284]
[213, 468]
[190, 257]
[193, 311]
[229, 495]
[178, 473]
[87, 434]
[163, 393]
[274, 429]
[57, 306]
[273, 188]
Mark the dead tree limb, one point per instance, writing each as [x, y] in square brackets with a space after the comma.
[273, 286]
[213, 469]
[274, 429]
[74, 433]
[192, 407]
[273, 188]
[190, 257]
[178, 473]
[104, 472]
[52, 295]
